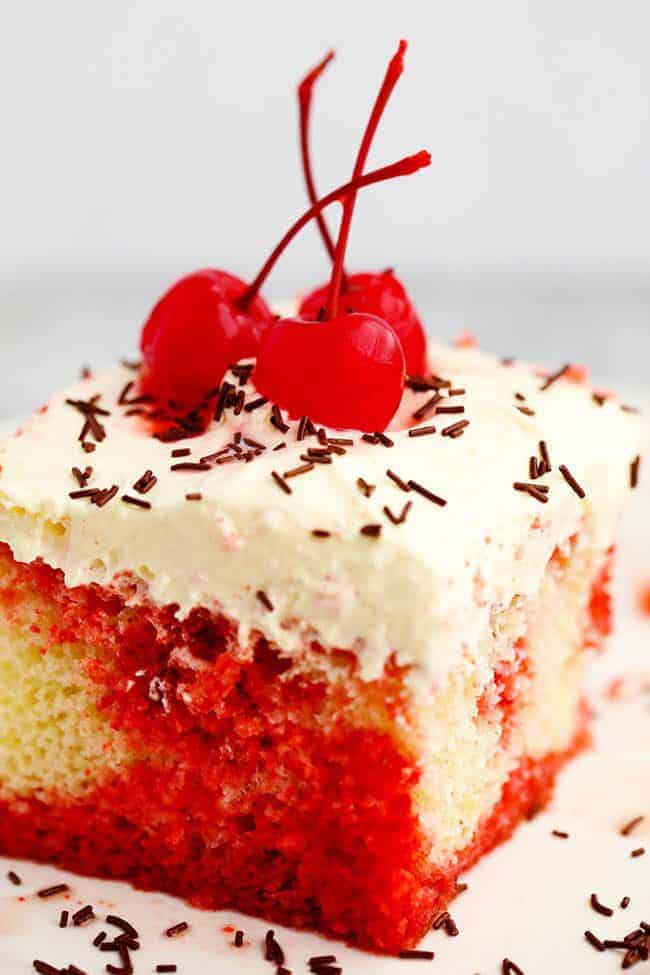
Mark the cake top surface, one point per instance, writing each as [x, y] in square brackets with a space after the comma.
[402, 542]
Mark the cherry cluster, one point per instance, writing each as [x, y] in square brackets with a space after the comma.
[343, 359]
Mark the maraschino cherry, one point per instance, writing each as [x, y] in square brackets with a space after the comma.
[344, 370]
[380, 293]
[210, 319]
[195, 332]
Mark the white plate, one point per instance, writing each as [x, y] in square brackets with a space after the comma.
[527, 901]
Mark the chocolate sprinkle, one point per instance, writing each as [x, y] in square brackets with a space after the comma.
[320, 533]
[224, 394]
[456, 429]
[253, 443]
[84, 493]
[571, 481]
[417, 954]
[277, 421]
[44, 969]
[421, 431]
[166, 968]
[366, 489]
[600, 908]
[63, 919]
[196, 496]
[103, 497]
[136, 502]
[429, 495]
[302, 469]
[396, 479]
[640, 850]
[560, 834]
[99, 938]
[450, 927]
[634, 471]
[450, 409]
[554, 377]
[509, 967]
[426, 408]
[421, 384]
[539, 492]
[145, 483]
[90, 411]
[316, 458]
[545, 466]
[82, 477]
[631, 825]
[239, 939]
[317, 961]
[401, 518]
[371, 531]
[14, 878]
[526, 410]
[88, 407]
[190, 466]
[280, 481]
[53, 891]
[82, 915]
[440, 921]
[176, 929]
[126, 968]
[181, 452]
[122, 924]
[124, 395]
[255, 404]
[272, 950]
[625, 903]
[264, 599]
[594, 941]
[384, 440]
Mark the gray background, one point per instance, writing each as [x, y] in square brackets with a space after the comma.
[142, 139]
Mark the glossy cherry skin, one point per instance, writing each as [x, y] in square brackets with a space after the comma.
[195, 332]
[382, 295]
[346, 373]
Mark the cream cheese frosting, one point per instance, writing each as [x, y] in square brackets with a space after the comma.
[423, 589]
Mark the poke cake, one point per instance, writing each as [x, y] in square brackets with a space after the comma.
[295, 613]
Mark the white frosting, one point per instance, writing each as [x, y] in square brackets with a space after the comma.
[424, 589]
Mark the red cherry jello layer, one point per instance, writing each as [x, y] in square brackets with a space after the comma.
[304, 672]
[134, 746]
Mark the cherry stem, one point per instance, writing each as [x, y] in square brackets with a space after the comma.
[393, 72]
[305, 96]
[403, 167]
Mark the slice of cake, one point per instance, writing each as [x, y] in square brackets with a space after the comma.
[309, 673]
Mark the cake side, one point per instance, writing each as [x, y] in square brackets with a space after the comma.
[301, 793]
[297, 703]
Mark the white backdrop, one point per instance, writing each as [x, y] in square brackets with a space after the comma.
[142, 138]
[141, 130]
